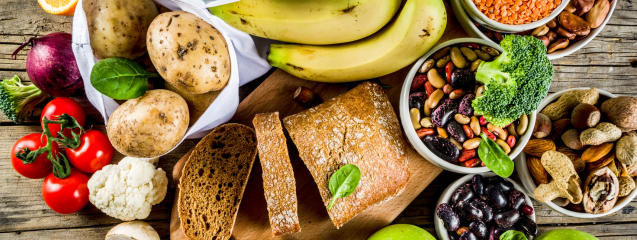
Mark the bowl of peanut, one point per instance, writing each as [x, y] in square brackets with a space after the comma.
[436, 108]
[512, 16]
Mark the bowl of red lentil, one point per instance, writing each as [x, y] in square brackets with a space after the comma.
[513, 16]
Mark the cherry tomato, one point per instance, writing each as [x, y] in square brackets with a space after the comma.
[95, 151]
[41, 166]
[59, 106]
[67, 195]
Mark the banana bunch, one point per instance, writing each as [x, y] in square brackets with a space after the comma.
[409, 35]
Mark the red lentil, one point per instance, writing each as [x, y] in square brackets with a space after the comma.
[516, 12]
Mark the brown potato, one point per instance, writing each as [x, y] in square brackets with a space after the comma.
[149, 126]
[188, 52]
[117, 28]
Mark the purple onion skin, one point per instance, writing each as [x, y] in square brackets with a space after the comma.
[51, 65]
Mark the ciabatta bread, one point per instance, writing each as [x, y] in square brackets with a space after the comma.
[278, 177]
[213, 181]
[360, 128]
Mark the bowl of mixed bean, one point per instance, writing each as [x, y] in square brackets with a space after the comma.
[513, 16]
[436, 112]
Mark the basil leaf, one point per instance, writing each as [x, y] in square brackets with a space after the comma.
[513, 235]
[344, 181]
[494, 157]
[120, 78]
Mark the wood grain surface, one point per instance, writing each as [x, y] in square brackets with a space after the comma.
[608, 62]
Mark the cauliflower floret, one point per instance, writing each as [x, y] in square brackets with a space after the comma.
[128, 190]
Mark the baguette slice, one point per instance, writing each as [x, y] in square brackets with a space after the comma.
[278, 176]
[359, 127]
[213, 181]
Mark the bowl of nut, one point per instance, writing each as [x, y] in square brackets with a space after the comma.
[437, 114]
[484, 206]
[512, 16]
[574, 27]
[582, 159]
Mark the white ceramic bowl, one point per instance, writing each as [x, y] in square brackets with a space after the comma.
[482, 19]
[413, 138]
[467, 24]
[446, 196]
[529, 184]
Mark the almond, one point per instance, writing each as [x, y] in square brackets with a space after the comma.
[537, 171]
[559, 128]
[595, 153]
[602, 162]
[537, 147]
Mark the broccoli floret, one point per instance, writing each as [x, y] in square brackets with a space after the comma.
[18, 101]
[515, 82]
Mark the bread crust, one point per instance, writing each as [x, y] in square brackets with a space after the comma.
[278, 176]
[359, 127]
[213, 181]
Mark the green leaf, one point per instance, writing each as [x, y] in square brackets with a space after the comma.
[494, 157]
[120, 78]
[513, 235]
[344, 181]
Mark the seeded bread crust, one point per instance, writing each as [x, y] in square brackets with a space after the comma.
[360, 128]
[213, 181]
[278, 176]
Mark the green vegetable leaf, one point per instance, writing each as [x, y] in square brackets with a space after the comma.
[120, 78]
[344, 181]
[494, 157]
[513, 235]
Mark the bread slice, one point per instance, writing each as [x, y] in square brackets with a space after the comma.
[213, 181]
[360, 128]
[278, 177]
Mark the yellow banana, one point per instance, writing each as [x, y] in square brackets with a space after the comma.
[309, 21]
[417, 29]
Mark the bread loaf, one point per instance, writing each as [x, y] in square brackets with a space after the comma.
[213, 181]
[278, 177]
[360, 128]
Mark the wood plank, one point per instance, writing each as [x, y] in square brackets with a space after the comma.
[96, 232]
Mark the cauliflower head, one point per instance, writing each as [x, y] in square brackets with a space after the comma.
[128, 190]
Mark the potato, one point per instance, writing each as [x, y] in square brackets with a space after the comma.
[188, 52]
[117, 28]
[150, 125]
[197, 103]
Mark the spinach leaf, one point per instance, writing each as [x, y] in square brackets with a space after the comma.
[344, 181]
[494, 157]
[120, 78]
[513, 235]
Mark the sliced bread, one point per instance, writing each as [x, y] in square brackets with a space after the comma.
[278, 177]
[359, 127]
[213, 181]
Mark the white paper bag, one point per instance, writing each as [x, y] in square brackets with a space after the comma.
[246, 64]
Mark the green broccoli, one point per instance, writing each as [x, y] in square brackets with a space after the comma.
[514, 83]
[17, 100]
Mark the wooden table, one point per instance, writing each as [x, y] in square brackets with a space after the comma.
[608, 62]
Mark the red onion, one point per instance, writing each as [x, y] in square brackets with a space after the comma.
[51, 65]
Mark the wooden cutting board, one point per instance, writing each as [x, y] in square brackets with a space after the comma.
[276, 94]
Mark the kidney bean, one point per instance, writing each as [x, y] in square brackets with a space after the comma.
[429, 64]
[483, 121]
[435, 98]
[511, 141]
[458, 93]
[435, 79]
[448, 70]
[429, 89]
[472, 162]
[447, 89]
[467, 131]
[470, 45]
[423, 132]
[488, 134]
[442, 132]
[467, 154]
